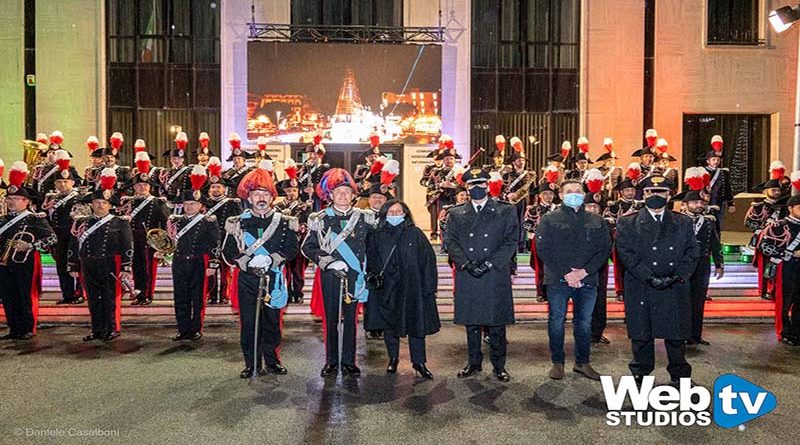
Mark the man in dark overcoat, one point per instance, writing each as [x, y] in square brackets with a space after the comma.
[659, 250]
[482, 237]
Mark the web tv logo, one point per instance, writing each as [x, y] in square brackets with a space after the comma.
[735, 402]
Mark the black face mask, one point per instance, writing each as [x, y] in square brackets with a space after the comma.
[655, 202]
[477, 193]
[698, 210]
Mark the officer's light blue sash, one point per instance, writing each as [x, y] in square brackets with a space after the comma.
[279, 295]
[361, 293]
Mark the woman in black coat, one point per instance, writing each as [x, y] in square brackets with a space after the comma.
[405, 305]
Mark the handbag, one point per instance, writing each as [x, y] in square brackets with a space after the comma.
[375, 281]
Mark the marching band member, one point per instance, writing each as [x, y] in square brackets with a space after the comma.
[46, 183]
[761, 214]
[625, 205]
[109, 157]
[780, 243]
[203, 153]
[428, 181]
[662, 162]
[223, 207]
[59, 207]
[175, 179]
[258, 243]
[611, 173]
[101, 251]
[719, 187]
[498, 155]
[546, 194]
[291, 205]
[595, 202]
[239, 157]
[442, 185]
[518, 182]
[709, 247]
[196, 236]
[312, 170]
[363, 171]
[581, 161]
[336, 244]
[146, 212]
[23, 234]
[556, 162]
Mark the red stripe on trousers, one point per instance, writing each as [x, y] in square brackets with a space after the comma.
[117, 293]
[316, 305]
[779, 301]
[151, 290]
[36, 287]
[205, 290]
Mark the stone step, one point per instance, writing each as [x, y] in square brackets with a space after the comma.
[162, 312]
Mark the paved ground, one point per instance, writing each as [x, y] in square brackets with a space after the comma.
[145, 389]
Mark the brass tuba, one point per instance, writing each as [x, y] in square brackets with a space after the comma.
[31, 151]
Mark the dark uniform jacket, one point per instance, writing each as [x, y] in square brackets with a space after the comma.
[778, 238]
[109, 240]
[231, 207]
[36, 224]
[708, 243]
[61, 217]
[491, 235]
[566, 239]
[720, 187]
[174, 181]
[282, 245]
[47, 182]
[234, 177]
[152, 216]
[201, 239]
[764, 212]
[320, 224]
[647, 249]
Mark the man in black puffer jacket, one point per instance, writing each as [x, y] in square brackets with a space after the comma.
[573, 244]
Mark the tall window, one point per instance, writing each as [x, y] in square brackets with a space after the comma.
[525, 57]
[746, 149]
[733, 22]
[348, 12]
[163, 70]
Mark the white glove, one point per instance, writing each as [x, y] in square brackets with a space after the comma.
[260, 262]
[338, 265]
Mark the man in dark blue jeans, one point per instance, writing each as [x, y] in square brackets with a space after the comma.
[573, 244]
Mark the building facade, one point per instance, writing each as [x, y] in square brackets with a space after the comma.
[550, 69]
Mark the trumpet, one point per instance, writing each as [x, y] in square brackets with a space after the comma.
[11, 253]
[127, 288]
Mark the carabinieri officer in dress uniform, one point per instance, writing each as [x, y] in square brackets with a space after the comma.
[101, 249]
[20, 266]
[196, 237]
[336, 243]
[482, 237]
[258, 243]
[659, 250]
